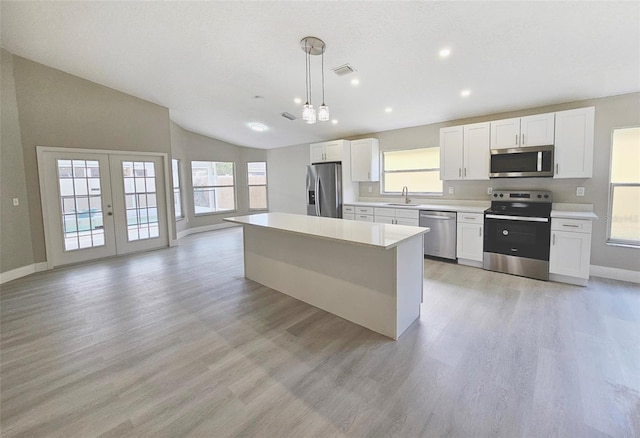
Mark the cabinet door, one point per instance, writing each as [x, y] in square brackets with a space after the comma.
[317, 153]
[469, 242]
[333, 151]
[574, 143]
[451, 147]
[570, 254]
[476, 151]
[505, 133]
[364, 160]
[537, 130]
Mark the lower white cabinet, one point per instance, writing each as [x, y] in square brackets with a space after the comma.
[570, 254]
[399, 216]
[469, 237]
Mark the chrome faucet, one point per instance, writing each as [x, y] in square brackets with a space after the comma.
[405, 193]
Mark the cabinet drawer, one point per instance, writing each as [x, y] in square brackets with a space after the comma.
[364, 217]
[364, 210]
[575, 225]
[471, 218]
[389, 212]
[348, 209]
[349, 216]
[406, 213]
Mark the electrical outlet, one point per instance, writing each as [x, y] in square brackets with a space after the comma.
[16, 202]
[369, 189]
[580, 191]
[489, 190]
[451, 190]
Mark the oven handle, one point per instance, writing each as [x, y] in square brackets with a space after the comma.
[517, 218]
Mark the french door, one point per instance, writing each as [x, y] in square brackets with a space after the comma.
[101, 204]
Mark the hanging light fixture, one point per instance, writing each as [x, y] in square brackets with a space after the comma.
[313, 46]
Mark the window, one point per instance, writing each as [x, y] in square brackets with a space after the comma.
[624, 190]
[418, 169]
[177, 196]
[213, 186]
[257, 182]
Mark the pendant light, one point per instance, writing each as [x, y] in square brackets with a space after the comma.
[313, 46]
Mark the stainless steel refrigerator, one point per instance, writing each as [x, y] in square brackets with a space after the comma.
[324, 190]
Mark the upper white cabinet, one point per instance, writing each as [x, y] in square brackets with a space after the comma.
[536, 130]
[328, 151]
[365, 160]
[464, 152]
[574, 143]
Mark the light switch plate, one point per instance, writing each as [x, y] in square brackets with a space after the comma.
[370, 189]
[16, 202]
[580, 191]
[451, 190]
[489, 190]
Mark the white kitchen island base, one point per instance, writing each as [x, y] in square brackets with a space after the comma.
[376, 285]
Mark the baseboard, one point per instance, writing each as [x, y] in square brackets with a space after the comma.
[22, 272]
[204, 228]
[472, 263]
[615, 273]
[569, 280]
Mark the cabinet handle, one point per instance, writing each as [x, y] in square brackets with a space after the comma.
[554, 239]
[516, 139]
[480, 232]
[556, 168]
[571, 226]
[470, 218]
[465, 172]
[459, 172]
[368, 175]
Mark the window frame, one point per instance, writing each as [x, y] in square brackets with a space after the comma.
[610, 241]
[249, 185]
[235, 200]
[178, 188]
[383, 173]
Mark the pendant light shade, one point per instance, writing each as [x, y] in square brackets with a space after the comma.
[313, 46]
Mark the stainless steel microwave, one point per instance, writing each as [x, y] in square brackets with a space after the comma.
[525, 162]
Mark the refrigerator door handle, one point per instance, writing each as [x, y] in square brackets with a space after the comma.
[317, 188]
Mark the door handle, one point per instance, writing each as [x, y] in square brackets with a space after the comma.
[317, 188]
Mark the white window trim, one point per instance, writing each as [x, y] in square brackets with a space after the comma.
[266, 176]
[179, 188]
[235, 191]
[383, 172]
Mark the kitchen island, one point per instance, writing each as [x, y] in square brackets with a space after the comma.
[367, 273]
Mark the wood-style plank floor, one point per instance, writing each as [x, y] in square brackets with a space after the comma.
[177, 342]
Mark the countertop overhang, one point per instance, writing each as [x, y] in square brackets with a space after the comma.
[376, 235]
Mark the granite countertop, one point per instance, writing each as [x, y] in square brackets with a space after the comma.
[377, 235]
[573, 211]
[462, 207]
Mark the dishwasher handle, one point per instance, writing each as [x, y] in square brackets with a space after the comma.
[442, 218]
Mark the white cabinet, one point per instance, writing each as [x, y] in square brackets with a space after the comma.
[398, 216]
[364, 214]
[365, 160]
[570, 253]
[349, 212]
[328, 151]
[574, 143]
[464, 152]
[536, 130]
[469, 238]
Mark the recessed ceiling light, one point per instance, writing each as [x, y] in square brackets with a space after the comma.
[355, 82]
[334, 121]
[259, 127]
[388, 109]
[444, 53]
[465, 93]
[297, 101]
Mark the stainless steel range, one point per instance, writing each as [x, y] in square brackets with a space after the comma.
[517, 232]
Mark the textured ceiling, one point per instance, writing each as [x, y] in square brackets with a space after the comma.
[206, 61]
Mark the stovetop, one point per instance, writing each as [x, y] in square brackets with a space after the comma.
[521, 203]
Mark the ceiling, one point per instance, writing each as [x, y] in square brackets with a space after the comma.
[206, 61]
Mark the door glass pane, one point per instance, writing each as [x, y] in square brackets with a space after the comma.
[139, 180]
[81, 214]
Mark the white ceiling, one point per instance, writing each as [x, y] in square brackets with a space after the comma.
[206, 61]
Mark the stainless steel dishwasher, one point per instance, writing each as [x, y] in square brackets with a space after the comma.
[441, 240]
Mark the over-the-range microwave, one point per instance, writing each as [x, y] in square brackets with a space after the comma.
[531, 161]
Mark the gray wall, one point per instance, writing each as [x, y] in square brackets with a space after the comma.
[189, 146]
[287, 189]
[15, 230]
[61, 110]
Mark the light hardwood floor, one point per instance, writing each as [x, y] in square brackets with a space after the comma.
[178, 343]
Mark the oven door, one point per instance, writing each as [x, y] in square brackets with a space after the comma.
[518, 236]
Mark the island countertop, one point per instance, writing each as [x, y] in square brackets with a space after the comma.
[363, 233]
